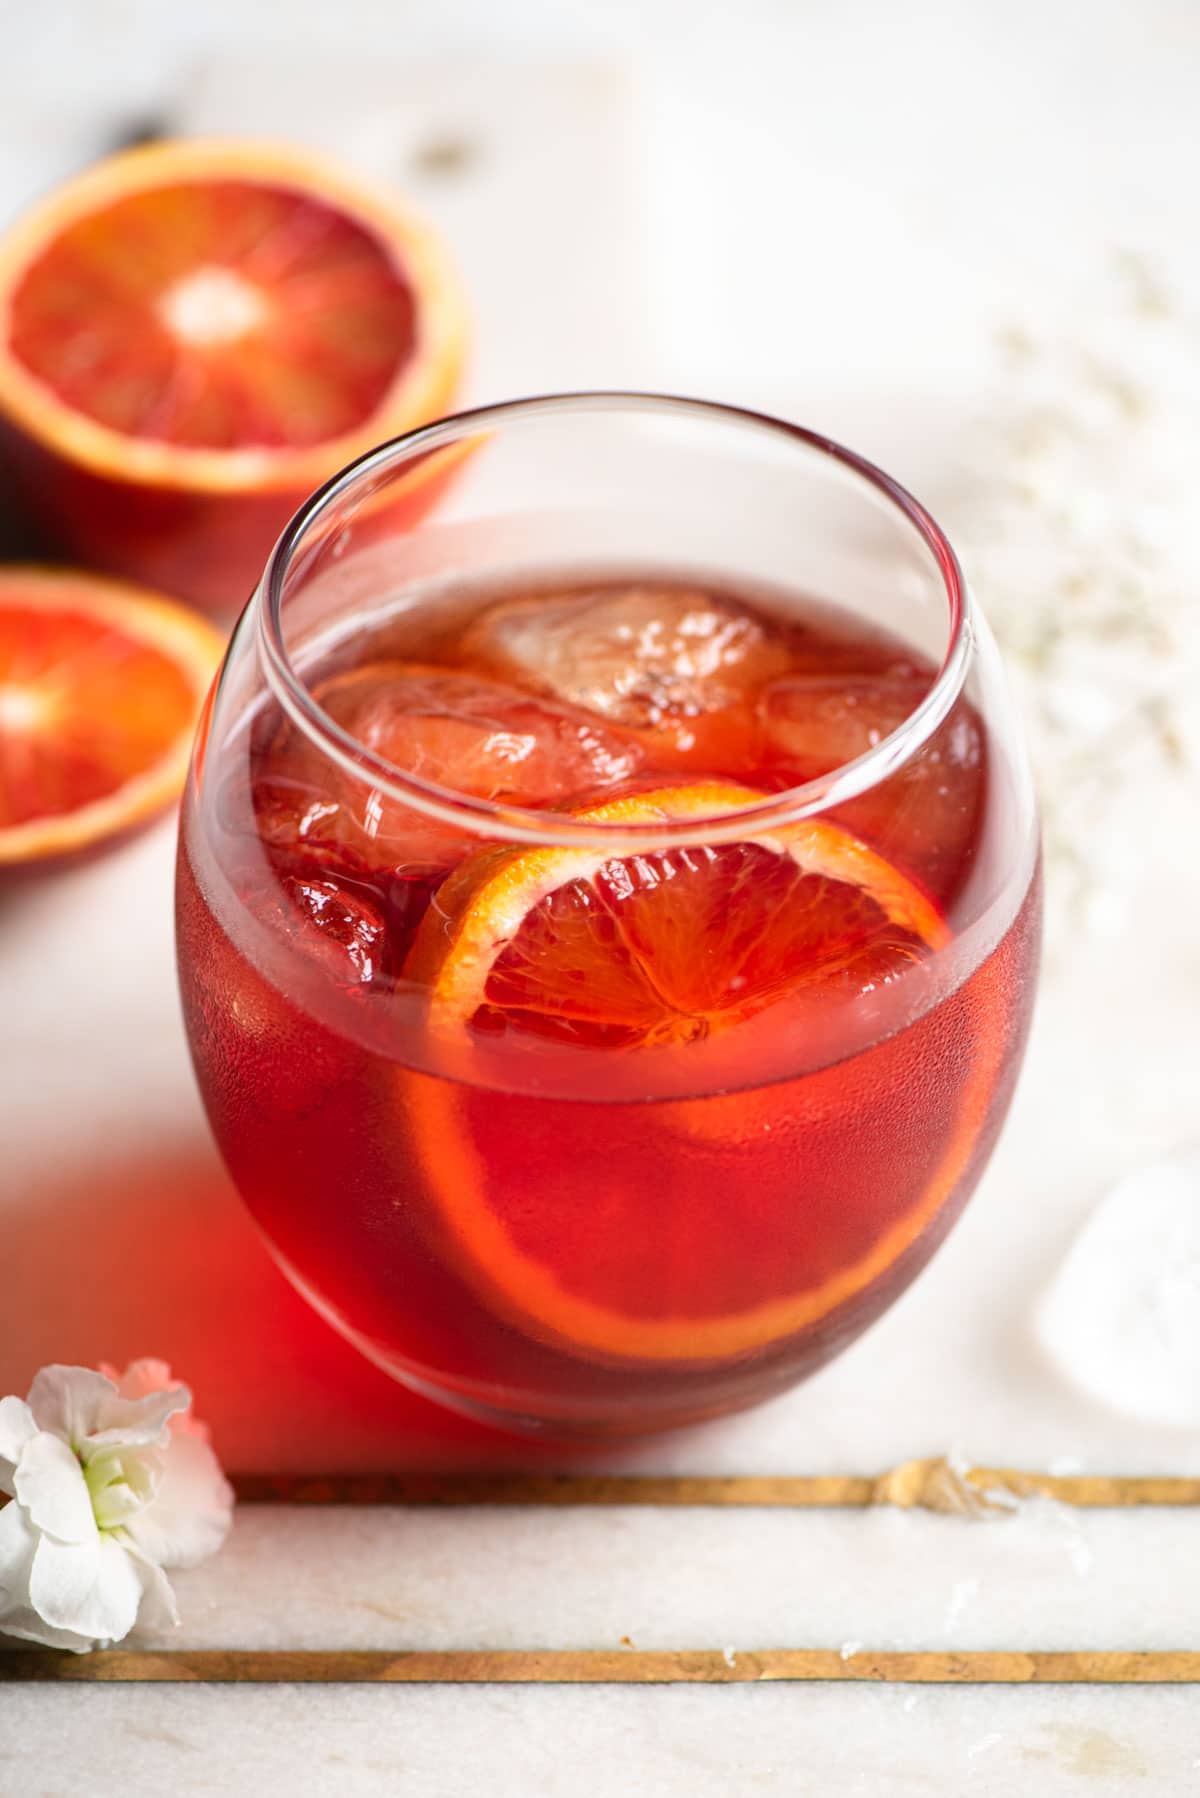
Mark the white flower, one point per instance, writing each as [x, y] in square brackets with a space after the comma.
[110, 1481]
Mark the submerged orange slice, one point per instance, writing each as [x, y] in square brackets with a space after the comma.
[194, 335]
[100, 688]
[694, 1229]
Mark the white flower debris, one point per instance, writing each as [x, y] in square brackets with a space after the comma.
[1067, 1525]
[1078, 535]
[962, 1597]
[985, 1744]
[943, 1483]
[109, 1482]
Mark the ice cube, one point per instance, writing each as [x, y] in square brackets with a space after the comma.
[924, 815]
[288, 813]
[459, 730]
[814, 723]
[649, 657]
[1121, 1318]
[478, 736]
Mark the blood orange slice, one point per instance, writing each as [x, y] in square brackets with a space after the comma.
[194, 335]
[660, 948]
[619, 1234]
[100, 687]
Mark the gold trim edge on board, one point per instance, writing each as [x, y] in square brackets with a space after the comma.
[629, 1666]
[936, 1483]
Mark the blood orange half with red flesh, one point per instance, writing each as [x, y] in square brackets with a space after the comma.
[100, 687]
[194, 335]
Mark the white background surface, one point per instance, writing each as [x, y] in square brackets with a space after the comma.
[830, 212]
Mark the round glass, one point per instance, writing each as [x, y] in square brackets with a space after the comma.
[608, 905]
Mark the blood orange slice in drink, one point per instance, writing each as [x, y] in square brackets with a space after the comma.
[100, 687]
[658, 1247]
[194, 335]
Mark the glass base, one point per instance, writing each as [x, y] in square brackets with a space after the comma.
[574, 1427]
[519, 1413]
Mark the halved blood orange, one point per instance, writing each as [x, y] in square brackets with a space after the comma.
[631, 1244]
[100, 687]
[194, 335]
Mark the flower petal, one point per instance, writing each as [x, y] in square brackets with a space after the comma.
[16, 1427]
[150, 1375]
[137, 1421]
[94, 1590]
[18, 1545]
[18, 1541]
[140, 1377]
[158, 1610]
[29, 1627]
[67, 1400]
[49, 1483]
[189, 1516]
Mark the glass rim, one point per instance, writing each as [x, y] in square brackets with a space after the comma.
[524, 824]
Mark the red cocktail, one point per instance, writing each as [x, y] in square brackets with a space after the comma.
[606, 964]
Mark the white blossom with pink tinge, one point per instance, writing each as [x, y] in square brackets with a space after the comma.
[110, 1482]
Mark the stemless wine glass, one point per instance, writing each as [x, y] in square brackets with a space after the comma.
[608, 905]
